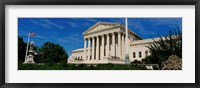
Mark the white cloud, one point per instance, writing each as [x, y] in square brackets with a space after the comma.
[39, 36]
[140, 28]
[78, 25]
[73, 25]
[41, 23]
[170, 22]
[74, 38]
[48, 22]
[71, 40]
[86, 24]
[91, 20]
[119, 20]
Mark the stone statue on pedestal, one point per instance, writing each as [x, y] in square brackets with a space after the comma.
[30, 57]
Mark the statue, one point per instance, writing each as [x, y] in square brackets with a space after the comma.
[30, 58]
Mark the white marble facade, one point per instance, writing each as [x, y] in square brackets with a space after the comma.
[105, 43]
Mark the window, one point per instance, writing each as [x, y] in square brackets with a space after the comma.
[133, 54]
[140, 54]
[146, 53]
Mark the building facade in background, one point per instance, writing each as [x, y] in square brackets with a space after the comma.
[104, 43]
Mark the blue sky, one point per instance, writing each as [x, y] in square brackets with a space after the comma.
[67, 32]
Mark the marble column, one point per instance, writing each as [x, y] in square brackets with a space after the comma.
[89, 48]
[102, 44]
[84, 55]
[119, 45]
[97, 48]
[108, 45]
[113, 44]
[123, 46]
[93, 41]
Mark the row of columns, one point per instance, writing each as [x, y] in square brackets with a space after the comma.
[102, 48]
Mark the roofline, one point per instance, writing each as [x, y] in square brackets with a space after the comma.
[78, 50]
[118, 24]
[145, 41]
[100, 23]
[149, 40]
[131, 32]
[103, 30]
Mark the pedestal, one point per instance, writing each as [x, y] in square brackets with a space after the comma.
[127, 61]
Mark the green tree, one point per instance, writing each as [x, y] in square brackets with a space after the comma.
[21, 49]
[37, 57]
[165, 47]
[50, 53]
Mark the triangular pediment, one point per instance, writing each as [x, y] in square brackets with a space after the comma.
[101, 26]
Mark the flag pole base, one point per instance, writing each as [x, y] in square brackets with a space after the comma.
[127, 61]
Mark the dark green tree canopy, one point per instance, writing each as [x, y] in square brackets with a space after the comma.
[51, 52]
[21, 49]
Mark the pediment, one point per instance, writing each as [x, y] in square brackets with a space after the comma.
[100, 26]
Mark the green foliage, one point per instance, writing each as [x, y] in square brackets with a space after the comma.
[136, 62]
[47, 53]
[21, 50]
[156, 68]
[50, 52]
[48, 66]
[166, 46]
[37, 57]
[56, 66]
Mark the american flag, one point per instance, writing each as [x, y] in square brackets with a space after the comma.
[32, 34]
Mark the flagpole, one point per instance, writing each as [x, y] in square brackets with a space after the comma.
[27, 46]
[126, 35]
[127, 43]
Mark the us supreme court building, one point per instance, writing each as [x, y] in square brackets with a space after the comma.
[105, 43]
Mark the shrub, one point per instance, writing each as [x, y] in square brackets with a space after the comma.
[172, 63]
[165, 47]
[55, 66]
